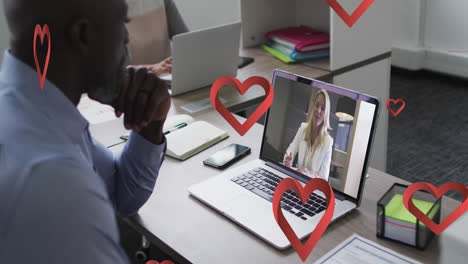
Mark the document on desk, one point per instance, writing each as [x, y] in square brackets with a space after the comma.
[358, 250]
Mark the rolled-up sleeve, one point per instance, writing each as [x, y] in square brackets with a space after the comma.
[137, 168]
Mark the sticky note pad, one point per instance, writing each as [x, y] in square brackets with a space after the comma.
[396, 209]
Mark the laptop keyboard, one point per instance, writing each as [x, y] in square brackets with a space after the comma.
[263, 183]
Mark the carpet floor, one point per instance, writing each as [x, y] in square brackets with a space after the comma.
[428, 141]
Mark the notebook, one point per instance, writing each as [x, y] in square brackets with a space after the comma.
[299, 56]
[300, 38]
[187, 137]
[289, 58]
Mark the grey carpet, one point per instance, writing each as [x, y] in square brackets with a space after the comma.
[428, 141]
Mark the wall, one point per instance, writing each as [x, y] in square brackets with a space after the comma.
[431, 34]
[446, 25]
[199, 14]
[190, 15]
[406, 22]
[4, 33]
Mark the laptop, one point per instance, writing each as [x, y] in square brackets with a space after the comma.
[200, 57]
[244, 193]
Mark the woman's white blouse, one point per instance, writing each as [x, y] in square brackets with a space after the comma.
[317, 161]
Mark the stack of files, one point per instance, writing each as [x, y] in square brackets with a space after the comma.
[400, 224]
[297, 44]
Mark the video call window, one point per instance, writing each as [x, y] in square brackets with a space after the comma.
[311, 130]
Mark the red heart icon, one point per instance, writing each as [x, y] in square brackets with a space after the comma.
[403, 104]
[315, 184]
[155, 262]
[242, 88]
[354, 17]
[437, 192]
[42, 32]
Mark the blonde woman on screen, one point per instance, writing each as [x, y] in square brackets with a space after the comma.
[312, 141]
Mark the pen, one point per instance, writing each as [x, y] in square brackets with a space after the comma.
[181, 125]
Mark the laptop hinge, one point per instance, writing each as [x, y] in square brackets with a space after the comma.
[339, 196]
[300, 178]
[296, 175]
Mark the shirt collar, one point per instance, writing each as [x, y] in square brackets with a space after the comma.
[51, 101]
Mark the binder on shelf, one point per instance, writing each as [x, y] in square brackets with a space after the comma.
[298, 57]
[289, 47]
[300, 38]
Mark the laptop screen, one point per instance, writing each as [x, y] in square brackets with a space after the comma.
[320, 130]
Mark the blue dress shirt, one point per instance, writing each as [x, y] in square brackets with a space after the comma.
[60, 190]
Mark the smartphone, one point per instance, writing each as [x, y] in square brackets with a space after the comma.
[227, 156]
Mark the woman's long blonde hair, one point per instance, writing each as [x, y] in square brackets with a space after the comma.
[311, 119]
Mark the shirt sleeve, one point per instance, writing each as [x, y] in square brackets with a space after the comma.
[325, 166]
[294, 146]
[137, 168]
[63, 215]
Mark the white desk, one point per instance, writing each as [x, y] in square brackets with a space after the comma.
[183, 226]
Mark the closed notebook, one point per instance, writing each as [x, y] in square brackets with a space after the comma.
[287, 57]
[195, 136]
[298, 56]
[300, 38]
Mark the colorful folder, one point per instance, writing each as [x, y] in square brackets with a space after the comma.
[300, 38]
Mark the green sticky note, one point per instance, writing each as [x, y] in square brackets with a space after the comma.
[396, 209]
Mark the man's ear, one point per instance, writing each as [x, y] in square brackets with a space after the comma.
[79, 35]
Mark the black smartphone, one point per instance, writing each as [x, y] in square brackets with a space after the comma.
[244, 61]
[227, 156]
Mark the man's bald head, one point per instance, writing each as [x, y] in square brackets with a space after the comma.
[23, 15]
[88, 37]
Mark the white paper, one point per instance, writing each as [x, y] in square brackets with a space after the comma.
[94, 111]
[200, 105]
[358, 250]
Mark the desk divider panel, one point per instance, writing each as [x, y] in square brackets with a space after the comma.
[370, 36]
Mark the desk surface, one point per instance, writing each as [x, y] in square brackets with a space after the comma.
[202, 235]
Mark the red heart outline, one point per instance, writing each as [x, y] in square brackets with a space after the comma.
[350, 20]
[437, 192]
[403, 104]
[242, 88]
[42, 32]
[304, 192]
[155, 262]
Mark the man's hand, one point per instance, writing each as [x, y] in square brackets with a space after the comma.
[164, 66]
[145, 102]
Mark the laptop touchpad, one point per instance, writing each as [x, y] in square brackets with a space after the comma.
[257, 215]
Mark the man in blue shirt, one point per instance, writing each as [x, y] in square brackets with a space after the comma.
[59, 188]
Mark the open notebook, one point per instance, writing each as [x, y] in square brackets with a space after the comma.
[191, 137]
